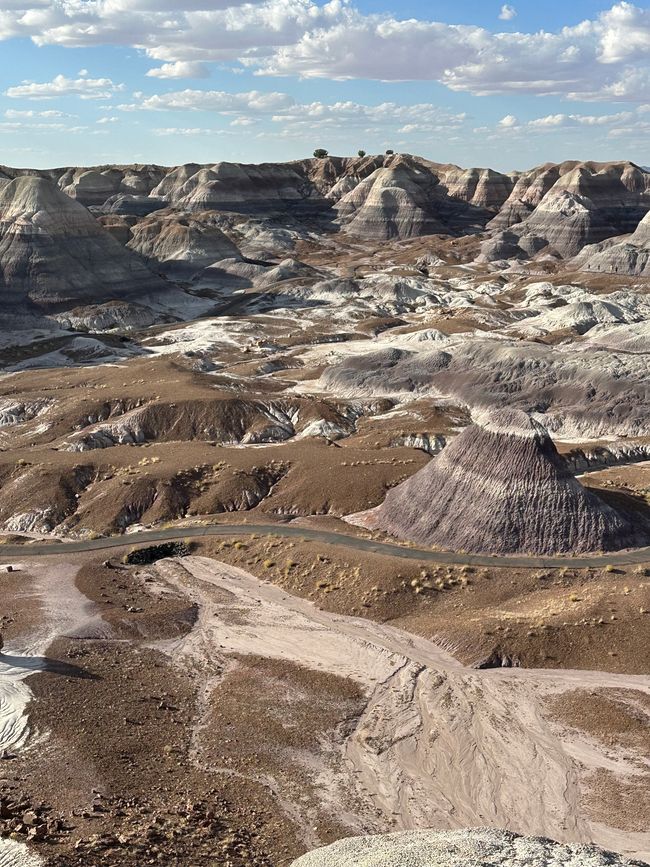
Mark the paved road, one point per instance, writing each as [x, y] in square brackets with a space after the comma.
[37, 549]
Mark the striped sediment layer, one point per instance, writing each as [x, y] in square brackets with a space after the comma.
[501, 487]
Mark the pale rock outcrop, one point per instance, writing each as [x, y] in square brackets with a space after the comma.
[466, 848]
[393, 202]
[233, 187]
[114, 315]
[629, 256]
[483, 188]
[567, 221]
[54, 253]
[385, 373]
[566, 207]
[586, 394]
[528, 191]
[93, 186]
[181, 244]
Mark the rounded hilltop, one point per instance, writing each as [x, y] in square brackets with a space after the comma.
[501, 487]
[466, 848]
[53, 252]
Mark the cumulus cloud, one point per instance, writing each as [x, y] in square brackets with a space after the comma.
[172, 30]
[625, 33]
[15, 114]
[623, 123]
[86, 88]
[412, 118]
[508, 12]
[592, 60]
[213, 100]
[175, 131]
[281, 108]
[180, 69]
[566, 120]
[606, 57]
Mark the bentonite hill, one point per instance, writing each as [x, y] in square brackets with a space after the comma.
[502, 487]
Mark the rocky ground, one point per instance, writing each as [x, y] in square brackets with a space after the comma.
[176, 720]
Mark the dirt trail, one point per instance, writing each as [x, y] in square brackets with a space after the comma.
[437, 745]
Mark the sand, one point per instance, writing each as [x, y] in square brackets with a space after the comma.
[437, 745]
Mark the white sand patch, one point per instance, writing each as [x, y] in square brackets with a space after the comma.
[64, 607]
[13, 854]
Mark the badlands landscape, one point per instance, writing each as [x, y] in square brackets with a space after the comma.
[325, 513]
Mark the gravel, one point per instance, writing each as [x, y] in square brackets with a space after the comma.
[458, 849]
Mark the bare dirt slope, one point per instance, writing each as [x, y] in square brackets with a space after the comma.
[414, 752]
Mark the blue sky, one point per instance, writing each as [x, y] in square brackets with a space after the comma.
[172, 81]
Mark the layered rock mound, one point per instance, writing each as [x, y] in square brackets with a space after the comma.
[393, 202]
[629, 256]
[501, 488]
[181, 244]
[54, 253]
[471, 848]
[558, 209]
[234, 187]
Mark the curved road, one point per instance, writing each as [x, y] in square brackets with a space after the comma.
[178, 534]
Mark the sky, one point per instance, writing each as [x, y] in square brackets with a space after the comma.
[476, 83]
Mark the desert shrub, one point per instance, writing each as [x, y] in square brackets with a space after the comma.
[143, 556]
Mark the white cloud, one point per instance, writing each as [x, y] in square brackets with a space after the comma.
[419, 117]
[580, 62]
[625, 34]
[612, 125]
[187, 131]
[180, 69]
[19, 126]
[171, 30]
[606, 57]
[15, 114]
[86, 88]
[248, 108]
[567, 120]
[253, 101]
[508, 12]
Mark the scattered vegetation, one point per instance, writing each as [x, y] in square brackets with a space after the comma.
[144, 556]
